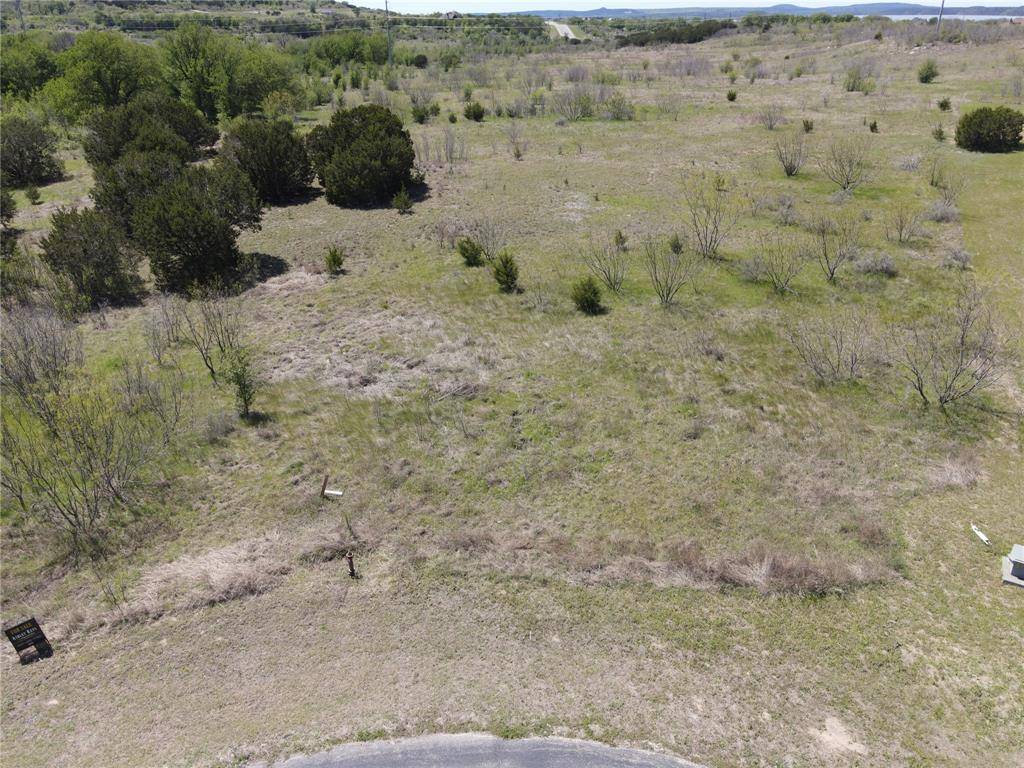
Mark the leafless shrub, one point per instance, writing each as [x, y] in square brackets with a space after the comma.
[770, 116]
[212, 325]
[902, 223]
[454, 147]
[608, 262]
[845, 162]
[785, 210]
[711, 214]
[669, 105]
[877, 264]
[517, 143]
[217, 426]
[40, 354]
[953, 355]
[447, 232]
[948, 181]
[163, 326]
[575, 103]
[836, 241]
[778, 260]
[833, 348]
[943, 212]
[577, 74]
[669, 271]
[957, 258]
[491, 235]
[791, 151]
[909, 163]
[102, 441]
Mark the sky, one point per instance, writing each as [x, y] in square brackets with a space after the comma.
[498, 6]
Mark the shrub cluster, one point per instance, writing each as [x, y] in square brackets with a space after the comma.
[990, 129]
[272, 156]
[363, 157]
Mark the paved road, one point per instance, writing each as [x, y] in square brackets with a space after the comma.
[563, 30]
[477, 750]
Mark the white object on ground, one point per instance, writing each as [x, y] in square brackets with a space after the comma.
[981, 535]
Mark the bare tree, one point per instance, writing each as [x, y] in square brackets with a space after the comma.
[574, 104]
[163, 325]
[770, 116]
[952, 356]
[608, 262]
[779, 260]
[454, 148]
[105, 439]
[212, 325]
[517, 143]
[491, 235]
[41, 352]
[836, 241]
[947, 180]
[833, 348]
[902, 223]
[845, 162]
[791, 151]
[711, 214]
[668, 270]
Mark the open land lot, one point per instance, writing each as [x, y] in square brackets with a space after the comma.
[526, 486]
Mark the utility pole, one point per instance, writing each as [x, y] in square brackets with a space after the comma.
[387, 25]
[938, 30]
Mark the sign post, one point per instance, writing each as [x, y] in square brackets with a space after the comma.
[29, 641]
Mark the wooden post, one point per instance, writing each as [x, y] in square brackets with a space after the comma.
[323, 488]
[351, 565]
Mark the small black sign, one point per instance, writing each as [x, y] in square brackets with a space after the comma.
[28, 634]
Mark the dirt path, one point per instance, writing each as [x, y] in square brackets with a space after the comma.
[563, 30]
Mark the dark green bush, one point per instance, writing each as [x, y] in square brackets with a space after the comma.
[990, 129]
[334, 261]
[363, 157]
[272, 156]
[420, 114]
[90, 250]
[401, 202]
[928, 71]
[471, 252]
[123, 186]
[945, 105]
[28, 152]
[420, 61]
[147, 124]
[730, 95]
[506, 273]
[474, 111]
[188, 227]
[586, 295]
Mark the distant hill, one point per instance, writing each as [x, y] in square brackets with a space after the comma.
[861, 9]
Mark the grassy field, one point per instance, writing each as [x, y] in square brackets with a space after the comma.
[525, 485]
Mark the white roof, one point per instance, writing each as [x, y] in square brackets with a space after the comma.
[1017, 553]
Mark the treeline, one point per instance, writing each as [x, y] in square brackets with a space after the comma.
[681, 32]
[765, 22]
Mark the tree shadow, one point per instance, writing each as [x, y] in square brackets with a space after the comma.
[308, 195]
[259, 267]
